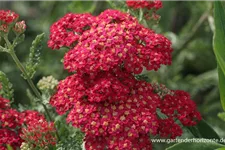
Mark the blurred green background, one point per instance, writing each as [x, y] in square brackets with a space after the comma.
[188, 24]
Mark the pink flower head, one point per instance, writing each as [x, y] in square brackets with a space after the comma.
[126, 117]
[8, 16]
[179, 105]
[169, 129]
[4, 103]
[4, 28]
[103, 98]
[149, 4]
[37, 130]
[9, 125]
[118, 41]
[10, 137]
[66, 31]
[10, 118]
[106, 86]
[20, 27]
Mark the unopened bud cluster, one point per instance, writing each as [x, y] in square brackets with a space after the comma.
[8, 20]
[26, 146]
[19, 27]
[47, 83]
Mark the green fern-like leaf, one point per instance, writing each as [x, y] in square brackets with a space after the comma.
[71, 143]
[118, 5]
[34, 56]
[6, 90]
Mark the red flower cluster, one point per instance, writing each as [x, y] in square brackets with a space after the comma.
[15, 127]
[10, 123]
[149, 4]
[125, 116]
[181, 107]
[7, 17]
[105, 100]
[38, 131]
[114, 39]
[68, 29]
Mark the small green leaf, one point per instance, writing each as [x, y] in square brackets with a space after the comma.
[222, 116]
[6, 90]
[9, 147]
[219, 46]
[34, 56]
[196, 145]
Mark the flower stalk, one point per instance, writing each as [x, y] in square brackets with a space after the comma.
[27, 77]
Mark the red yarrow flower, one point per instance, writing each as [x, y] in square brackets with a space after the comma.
[9, 137]
[9, 125]
[103, 98]
[31, 126]
[180, 106]
[128, 118]
[118, 41]
[149, 4]
[66, 31]
[4, 103]
[169, 129]
[8, 16]
[37, 131]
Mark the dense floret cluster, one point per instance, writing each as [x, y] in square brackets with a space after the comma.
[10, 125]
[149, 4]
[104, 99]
[7, 18]
[38, 132]
[68, 29]
[29, 126]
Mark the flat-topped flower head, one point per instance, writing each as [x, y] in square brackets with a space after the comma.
[10, 123]
[94, 109]
[8, 16]
[148, 4]
[67, 30]
[37, 131]
[118, 41]
[104, 99]
[180, 106]
[29, 126]
[106, 86]
[9, 137]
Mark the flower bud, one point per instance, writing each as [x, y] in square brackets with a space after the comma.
[4, 28]
[47, 83]
[19, 27]
[26, 146]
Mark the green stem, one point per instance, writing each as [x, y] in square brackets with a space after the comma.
[140, 15]
[30, 82]
[23, 70]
